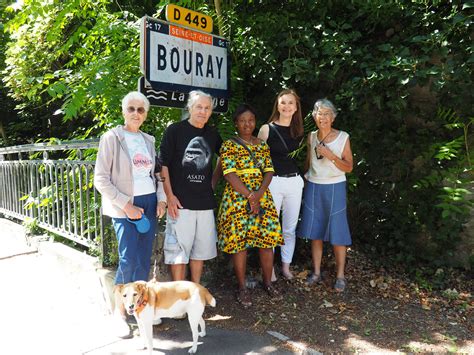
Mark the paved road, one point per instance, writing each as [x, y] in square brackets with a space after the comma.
[52, 303]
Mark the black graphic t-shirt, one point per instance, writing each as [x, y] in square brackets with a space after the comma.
[187, 151]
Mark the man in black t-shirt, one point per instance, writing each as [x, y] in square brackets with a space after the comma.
[186, 152]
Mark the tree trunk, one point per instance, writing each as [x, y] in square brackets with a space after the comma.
[217, 4]
[4, 134]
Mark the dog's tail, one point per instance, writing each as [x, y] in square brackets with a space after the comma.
[210, 300]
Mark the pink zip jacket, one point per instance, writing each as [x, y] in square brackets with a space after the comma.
[113, 172]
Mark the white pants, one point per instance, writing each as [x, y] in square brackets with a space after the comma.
[287, 192]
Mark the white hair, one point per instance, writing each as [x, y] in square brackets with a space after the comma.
[135, 95]
[324, 103]
[194, 96]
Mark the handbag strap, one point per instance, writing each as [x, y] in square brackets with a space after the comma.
[239, 142]
[272, 126]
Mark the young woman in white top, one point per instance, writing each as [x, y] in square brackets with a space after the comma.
[324, 202]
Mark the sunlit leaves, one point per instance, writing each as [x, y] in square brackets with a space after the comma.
[450, 150]
[72, 52]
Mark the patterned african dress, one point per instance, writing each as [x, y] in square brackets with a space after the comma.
[237, 228]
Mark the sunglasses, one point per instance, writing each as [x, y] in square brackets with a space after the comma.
[132, 109]
[316, 151]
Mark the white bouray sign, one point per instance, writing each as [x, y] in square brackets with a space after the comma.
[175, 58]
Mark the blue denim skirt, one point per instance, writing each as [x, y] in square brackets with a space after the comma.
[324, 214]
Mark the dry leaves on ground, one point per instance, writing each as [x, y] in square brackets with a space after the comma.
[382, 310]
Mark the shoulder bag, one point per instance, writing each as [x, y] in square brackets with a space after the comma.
[255, 161]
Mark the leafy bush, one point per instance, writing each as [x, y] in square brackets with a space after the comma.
[393, 68]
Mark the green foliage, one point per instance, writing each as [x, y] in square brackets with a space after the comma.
[110, 257]
[31, 226]
[432, 278]
[68, 52]
[390, 67]
[77, 59]
[7, 114]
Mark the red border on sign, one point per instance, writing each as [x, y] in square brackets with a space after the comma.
[191, 35]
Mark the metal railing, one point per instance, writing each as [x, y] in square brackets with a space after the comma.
[40, 182]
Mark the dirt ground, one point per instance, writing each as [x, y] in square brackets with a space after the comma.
[381, 311]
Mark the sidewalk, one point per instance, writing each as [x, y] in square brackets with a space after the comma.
[53, 302]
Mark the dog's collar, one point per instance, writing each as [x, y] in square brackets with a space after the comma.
[142, 302]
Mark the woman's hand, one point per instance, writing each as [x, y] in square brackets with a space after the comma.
[132, 211]
[254, 200]
[173, 206]
[258, 195]
[324, 151]
[161, 209]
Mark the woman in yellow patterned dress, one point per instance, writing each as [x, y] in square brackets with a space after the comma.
[247, 215]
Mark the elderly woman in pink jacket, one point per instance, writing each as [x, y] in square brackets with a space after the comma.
[124, 175]
[131, 194]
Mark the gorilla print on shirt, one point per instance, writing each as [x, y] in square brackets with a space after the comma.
[197, 154]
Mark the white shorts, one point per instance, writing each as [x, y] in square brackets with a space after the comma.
[192, 236]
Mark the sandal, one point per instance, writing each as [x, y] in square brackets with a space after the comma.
[314, 279]
[271, 291]
[243, 297]
[340, 285]
[287, 276]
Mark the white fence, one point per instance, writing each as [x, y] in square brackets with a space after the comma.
[40, 182]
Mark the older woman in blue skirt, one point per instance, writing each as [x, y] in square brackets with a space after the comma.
[324, 217]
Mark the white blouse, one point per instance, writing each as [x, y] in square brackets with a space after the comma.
[324, 171]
